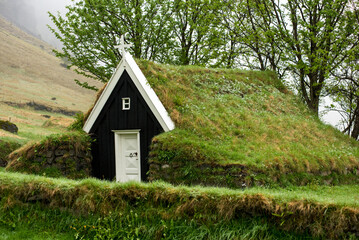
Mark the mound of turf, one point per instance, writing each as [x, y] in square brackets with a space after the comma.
[316, 210]
[57, 155]
[242, 128]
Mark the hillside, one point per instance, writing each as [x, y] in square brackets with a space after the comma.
[243, 128]
[36, 88]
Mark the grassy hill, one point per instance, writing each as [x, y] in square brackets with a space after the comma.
[243, 128]
[32, 78]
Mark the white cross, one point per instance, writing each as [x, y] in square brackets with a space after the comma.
[122, 45]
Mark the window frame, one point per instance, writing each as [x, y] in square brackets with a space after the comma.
[126, 103]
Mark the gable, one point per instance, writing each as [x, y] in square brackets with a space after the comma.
[139, 80]
[113, 117]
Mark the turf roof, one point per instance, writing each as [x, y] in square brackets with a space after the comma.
[247, 118]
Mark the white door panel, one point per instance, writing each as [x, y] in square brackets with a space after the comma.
[128, 167]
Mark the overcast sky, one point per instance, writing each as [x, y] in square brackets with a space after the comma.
[42, 17]
[32, 15]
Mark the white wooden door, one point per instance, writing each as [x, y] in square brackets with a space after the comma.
[128, 164]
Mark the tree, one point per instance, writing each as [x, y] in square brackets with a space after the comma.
[173, 31]
[344, 87]
[195, 24]
[345, 92]
[308, 38]
[251, 25]
[92, 28]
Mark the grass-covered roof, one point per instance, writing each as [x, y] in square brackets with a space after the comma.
[247, 118]
[247, 121]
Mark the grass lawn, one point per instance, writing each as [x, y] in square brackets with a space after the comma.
[321, 211]
[38, 222]
[26, 232]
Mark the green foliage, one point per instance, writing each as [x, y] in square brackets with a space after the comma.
[304, 41]
[176, 32]
[146, 22]
[308, 40]
[78, 123]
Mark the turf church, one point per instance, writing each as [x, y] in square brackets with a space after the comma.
[125, 118]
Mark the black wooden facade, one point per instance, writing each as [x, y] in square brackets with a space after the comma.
[112, 117]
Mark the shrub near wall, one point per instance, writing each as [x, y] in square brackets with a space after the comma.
[66, 155]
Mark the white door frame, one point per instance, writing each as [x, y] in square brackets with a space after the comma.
[119, 162]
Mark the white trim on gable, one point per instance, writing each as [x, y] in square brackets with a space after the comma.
[143, 87]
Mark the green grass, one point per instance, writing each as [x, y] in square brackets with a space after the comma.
[37, 222]
[313, 210]
[248, 118]
[33, 126]
[25, 232]
[341, 196]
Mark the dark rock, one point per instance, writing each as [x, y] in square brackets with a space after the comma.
[50, 160]
[38, 160]
[3, 163]
[8, 126]
[60, 152]
[49, 154]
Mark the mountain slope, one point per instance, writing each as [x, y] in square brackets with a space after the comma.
[29, 73]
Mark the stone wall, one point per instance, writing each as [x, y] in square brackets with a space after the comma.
[177, 168]
[68, 156]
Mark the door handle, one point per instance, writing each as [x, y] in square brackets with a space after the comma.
[132, 155]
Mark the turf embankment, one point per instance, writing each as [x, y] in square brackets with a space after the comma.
[243, 128]
[318, 210]
[58, 155]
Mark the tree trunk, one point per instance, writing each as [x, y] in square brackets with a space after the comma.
[355, 133]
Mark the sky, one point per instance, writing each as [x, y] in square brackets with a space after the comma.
[32, 15]
[42, 7]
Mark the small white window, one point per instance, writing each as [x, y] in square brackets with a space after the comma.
[125, 103]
